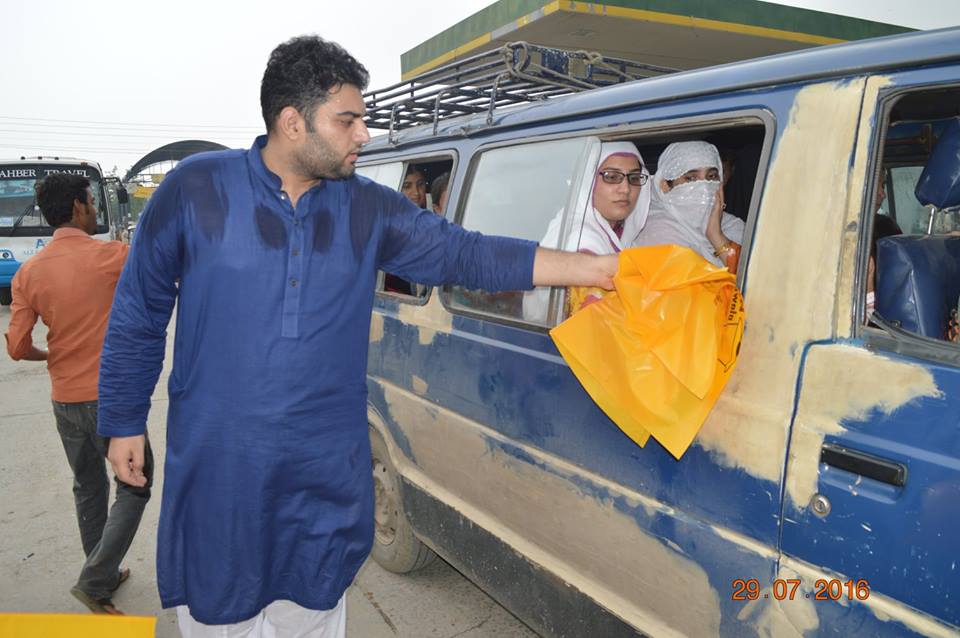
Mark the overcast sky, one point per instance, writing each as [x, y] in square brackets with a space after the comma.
[109, 80]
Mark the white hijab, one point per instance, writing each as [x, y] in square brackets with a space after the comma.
[596, 234]
[680, 216]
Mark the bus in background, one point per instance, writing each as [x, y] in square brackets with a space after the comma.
[23, 230]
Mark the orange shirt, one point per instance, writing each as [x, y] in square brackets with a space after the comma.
[69, 284]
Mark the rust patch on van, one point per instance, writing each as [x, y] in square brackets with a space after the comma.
[843, 383]
[786, 618]
[858, 183]
[430, 318]
[419, 385]
[376, 327]
[790, 292]
[531, 501]
[885, 609]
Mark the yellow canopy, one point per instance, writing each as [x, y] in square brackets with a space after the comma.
[75, 626]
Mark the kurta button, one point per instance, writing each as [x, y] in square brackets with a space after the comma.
[293, 283]
[296, 253]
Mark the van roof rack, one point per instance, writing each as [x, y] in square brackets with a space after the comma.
[515, 73]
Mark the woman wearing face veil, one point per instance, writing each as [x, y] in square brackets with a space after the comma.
[687, 205]
[619, 201]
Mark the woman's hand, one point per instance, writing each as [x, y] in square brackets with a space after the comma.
[714, 230]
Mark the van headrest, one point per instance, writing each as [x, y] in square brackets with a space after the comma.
[918, 281]
[939, 184]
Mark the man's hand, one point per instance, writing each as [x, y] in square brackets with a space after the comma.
[558, 268]
[126, 457]
[36, 354]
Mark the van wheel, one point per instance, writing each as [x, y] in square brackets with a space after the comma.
[395, 547]
[6, 298]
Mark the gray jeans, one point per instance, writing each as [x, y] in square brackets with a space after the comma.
[106, 537]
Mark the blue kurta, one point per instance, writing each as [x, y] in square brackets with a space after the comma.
[267, 490]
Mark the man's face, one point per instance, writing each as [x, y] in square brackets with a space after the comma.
[415, 188]
[334, 136]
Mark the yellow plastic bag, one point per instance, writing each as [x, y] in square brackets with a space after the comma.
[76, 626]
[656, 353]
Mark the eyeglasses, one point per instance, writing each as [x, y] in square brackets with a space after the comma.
[613, 176]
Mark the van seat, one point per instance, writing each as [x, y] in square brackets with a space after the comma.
[939, 184]
[918, 281]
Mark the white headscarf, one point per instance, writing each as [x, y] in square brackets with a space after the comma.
[596, 234]
[680, 216]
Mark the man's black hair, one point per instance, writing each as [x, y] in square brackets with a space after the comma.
[438, 186]
[414, 168]
[56, 194]
[301, 72]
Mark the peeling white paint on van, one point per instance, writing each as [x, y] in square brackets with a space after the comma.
[787, 618]
[536, 509]
[745, 542]
[419, 385]
[882, 607]
[793, 267]
[858, 181]
[430, 318]
[376, 327]
[845, 383]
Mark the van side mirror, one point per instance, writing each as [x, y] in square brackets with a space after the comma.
[122, 196]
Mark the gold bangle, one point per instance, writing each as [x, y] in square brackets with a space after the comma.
[725, 248]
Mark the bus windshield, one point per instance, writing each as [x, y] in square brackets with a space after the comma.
[19, 215]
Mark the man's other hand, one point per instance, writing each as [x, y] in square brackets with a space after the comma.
[126, 457]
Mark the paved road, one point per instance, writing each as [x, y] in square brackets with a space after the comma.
[40, 552]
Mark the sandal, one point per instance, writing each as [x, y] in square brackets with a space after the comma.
[97, 606]
[124, 575]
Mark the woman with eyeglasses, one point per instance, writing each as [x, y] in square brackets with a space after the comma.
[619, 201]
[687, 205]
[615, 215]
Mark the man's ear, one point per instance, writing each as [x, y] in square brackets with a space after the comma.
[290, 124]
[79, 208]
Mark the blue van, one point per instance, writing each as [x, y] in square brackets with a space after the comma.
[822, 495]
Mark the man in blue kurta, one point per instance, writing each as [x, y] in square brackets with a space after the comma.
[271, 255]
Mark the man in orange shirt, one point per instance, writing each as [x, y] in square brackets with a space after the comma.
[70, 285]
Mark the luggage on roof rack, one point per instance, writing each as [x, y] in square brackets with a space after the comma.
[515, 73]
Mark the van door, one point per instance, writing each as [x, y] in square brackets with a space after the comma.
[872, 503]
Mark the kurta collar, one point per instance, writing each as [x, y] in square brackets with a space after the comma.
[255, 159]
[264, 174]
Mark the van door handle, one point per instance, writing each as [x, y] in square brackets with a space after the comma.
[879, 469]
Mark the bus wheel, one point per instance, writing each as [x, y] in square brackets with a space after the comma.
[395, 547]
[6, 298]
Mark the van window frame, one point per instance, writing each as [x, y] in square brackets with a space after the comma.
[675, 126]
[892, 339]
[407, 159]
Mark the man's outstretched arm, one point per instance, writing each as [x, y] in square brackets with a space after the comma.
[559, 268]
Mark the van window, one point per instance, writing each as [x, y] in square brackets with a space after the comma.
[386, 174]
[396, 175]
[913, 260]
[518, 191]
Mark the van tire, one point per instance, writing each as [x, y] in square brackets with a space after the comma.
[395, 546]
[6, 297]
